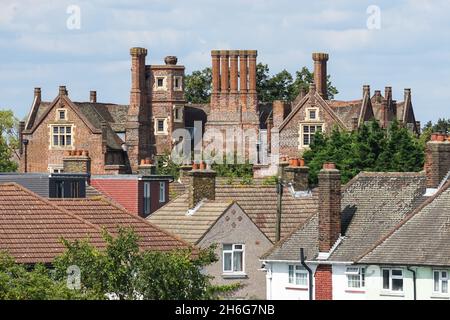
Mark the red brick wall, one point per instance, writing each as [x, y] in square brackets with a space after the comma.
[323, 283]
[124, 192]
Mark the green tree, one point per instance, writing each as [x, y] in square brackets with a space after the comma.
[123, 271]
[198, 86]
[370, 148]
[9, 141]
[34, 283]
[303, 78]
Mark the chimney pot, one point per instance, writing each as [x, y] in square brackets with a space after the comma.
[93, 96]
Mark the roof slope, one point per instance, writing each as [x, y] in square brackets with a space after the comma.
[31, 227]
[106, 215]
[260, 203]
[422, 239]
[371, 205]
[173, 217]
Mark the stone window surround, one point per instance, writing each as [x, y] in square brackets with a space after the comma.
[301, 145]
[66, 147]
[160, 88]
[180, 107]
[307, 114]
[165, 131]
[180, 82]
[57, 116]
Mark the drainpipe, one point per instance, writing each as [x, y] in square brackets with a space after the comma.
[414, 281]
[25, 143]
[310, 278]
[279, 198]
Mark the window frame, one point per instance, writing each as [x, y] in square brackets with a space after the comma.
[232, 252]
[163, 87]
[147, 198]
[391, 278]
[180, 82]
[180, 108]
[162, 192]
[165, 129]
[302, 132]
[58, 114]
[59, 134]
[360, 273]
[440, 281]
[296, 270]
[308, 114]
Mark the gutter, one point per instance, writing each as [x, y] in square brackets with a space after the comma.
[414, 281]
[310, 278]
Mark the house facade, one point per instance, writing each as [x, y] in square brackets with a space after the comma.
[382, 237]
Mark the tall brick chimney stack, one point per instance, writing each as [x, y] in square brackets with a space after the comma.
[215, 55]
[329, 206]
[437, 159]
[388, 93]
[224, 72]
[93, 96]
[320, 73]
[37, 95]
[138, 131]
[201, 185]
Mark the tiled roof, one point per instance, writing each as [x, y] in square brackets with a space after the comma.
[372, 204]
[105, 214]
[260, 203]
[173, 218]
[114, 114]
[31, 227]
[346, 110]
[422, 239]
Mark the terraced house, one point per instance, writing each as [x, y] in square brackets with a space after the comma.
[383, 236]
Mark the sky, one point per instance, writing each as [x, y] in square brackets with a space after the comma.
[84, 45]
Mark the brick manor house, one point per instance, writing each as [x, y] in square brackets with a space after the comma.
[117, 139]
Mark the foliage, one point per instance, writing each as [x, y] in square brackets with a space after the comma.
[124, 272]
[234, 169]
[198, 86]
[370, 148]
[165, 166]
[270, 181]
[9, 142]
[35, 283]
[442, 125]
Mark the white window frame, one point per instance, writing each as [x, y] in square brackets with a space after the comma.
[156, 87]
[58, 113]
[392, 277]
[360, 273]
[234, 248]
[147, 198]
[301, 135]
[180, 82]
[164, 132]
[59, 134]
[180, 108]
[294, 272]
[55, 168]
[441, 279]
[308, 114]
[162, 192]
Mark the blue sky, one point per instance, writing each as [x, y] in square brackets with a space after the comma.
[410, 50]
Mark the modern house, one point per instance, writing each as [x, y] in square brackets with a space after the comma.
[381, 237]
[241, 220]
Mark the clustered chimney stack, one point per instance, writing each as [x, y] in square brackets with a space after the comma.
[233, 76]
[329, 206]
[93, 96]
[320, 73]
[437, 163]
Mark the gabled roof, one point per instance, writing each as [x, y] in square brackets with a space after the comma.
[105, 214]
[94, 115]
[371, 205]
[421, 239]
[31, 228]
[260, 203]
[174, 218]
